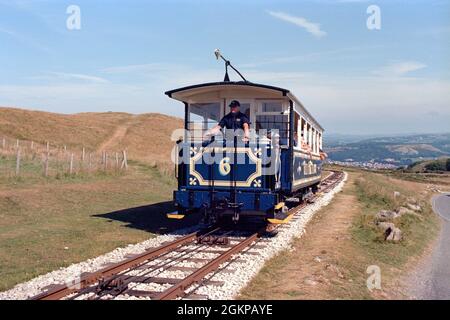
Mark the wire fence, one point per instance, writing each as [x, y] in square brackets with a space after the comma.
[30, 159]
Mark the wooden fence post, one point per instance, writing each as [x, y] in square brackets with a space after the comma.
[48, 146]
[32, 145]
[71, 164]
[83, 154]
[4, 143]
[105, 162]
[47, 160]
[124, 161]
[18, 162]
[117, 161]
[17, 143]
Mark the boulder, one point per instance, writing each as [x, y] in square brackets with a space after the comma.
[394, 235]
[386, 215]
[384, 226]
[391, 232]
[414, 207]
[412, 200]
[402, 210]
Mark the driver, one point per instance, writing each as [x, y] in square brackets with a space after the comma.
[235, 120]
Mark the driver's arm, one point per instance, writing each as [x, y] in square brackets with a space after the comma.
[213, 131]
[216, 129]
[246, 131]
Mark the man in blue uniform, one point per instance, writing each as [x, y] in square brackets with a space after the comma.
[235, 120]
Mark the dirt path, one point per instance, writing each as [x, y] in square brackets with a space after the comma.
[317, 266]
[117, 136]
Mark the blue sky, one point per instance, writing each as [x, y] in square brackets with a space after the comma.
[127, 53]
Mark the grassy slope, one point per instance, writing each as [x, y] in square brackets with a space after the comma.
[40, 217]
[420, 166]
[376, 192]
[357, 246]
[39, 220]
[146, 136]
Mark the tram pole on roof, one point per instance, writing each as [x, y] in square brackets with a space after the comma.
[219, 55]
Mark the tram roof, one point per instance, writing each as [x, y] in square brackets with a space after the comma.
[183, 94]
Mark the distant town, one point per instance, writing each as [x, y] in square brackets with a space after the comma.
[365, 164]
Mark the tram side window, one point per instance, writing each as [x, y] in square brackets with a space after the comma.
[202, 117]
[271, 118]
[303, 136]
[296, 129]
[272, 107]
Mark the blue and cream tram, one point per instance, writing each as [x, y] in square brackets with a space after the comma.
[225, 176]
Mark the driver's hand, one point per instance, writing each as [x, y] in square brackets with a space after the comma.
[207, 135]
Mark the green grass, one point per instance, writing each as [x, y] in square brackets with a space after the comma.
[376, 193]
[39, 218]
[430, 178]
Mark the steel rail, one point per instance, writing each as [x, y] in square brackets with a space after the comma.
[197, 276]
[171, 262]
[62, 291]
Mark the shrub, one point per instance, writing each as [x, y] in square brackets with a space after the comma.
[436, 166]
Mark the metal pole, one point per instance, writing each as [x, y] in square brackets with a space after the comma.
[227, 64]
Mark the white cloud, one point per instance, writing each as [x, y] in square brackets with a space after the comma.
[28, 41]
[399, 69]
[8, 32]
[311, 27]
[139, 68]
[68, 77]
[76, 76]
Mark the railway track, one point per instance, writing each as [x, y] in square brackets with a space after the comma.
[177, 269]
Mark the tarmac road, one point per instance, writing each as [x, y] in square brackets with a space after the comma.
[436, 275]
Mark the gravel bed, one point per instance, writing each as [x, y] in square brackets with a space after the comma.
[233, 282]
[72, 273]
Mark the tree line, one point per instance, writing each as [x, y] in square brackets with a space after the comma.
[438, 165]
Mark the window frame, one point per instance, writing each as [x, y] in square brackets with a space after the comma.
[285, 111]
[219, 102]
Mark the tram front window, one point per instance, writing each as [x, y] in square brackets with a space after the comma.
[202, 117]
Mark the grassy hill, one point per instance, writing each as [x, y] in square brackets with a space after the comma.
[51, 222]
[145, 136]
[439, 165]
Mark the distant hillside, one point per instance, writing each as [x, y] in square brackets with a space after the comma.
[146, 136]
[439, 165]
[401, 150]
